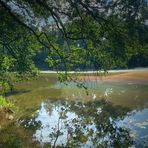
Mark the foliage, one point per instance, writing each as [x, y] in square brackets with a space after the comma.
[17, 47]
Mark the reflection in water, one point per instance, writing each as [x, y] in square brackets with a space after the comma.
[51, 122]
[77, 124]
[138, 124]
[80, 120]
[130, 95]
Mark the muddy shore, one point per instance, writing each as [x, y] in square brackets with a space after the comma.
[140, 77]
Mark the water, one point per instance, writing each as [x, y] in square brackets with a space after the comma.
[50, 114]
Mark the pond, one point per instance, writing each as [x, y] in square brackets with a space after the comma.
[51, 114]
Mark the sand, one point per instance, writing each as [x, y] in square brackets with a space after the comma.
[128, 77]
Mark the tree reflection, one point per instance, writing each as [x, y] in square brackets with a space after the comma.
[77, 124]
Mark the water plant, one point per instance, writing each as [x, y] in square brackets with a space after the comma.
[4, 104]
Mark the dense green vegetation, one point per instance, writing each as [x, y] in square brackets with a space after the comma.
[76, 35]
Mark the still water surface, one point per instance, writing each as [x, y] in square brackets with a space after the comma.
[50, 114]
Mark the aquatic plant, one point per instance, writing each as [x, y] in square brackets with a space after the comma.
[5, 104]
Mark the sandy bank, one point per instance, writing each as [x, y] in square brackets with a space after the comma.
[137, 75]
[140, 77]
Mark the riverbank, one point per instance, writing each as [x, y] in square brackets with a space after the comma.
[109, 71]
[137, 75]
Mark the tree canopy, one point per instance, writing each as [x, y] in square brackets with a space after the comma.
[101, 34]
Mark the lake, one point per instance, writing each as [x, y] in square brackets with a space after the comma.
[51, 114]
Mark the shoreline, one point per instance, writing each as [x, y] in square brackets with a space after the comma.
[109, 71]
[136, 76]
[133, 77]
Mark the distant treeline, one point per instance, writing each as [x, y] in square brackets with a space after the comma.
[138, 61]
[40, 61]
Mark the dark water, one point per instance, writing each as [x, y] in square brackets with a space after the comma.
[50, 114]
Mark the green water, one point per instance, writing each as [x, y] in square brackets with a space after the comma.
[50, 114]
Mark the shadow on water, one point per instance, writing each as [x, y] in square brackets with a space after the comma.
[18, 92]
[62, 123]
